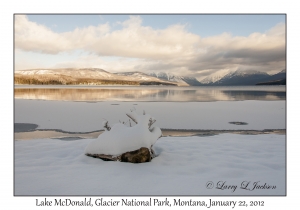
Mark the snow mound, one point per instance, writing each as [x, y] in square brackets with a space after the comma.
[121, 138]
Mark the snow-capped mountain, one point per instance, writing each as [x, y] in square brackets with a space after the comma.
[85, 76]
[278, 76]
[78, 73]
[71, 72]
[242, 78]
[214, 77]
[238, 77]
[138, 75]
[181, 80]
[276, 79]
[192, 81]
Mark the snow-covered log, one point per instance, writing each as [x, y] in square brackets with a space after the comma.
[120, 138]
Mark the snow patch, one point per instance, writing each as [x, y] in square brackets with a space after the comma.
[212, 78]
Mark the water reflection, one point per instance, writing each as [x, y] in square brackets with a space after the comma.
[153, 93]
[255, 95]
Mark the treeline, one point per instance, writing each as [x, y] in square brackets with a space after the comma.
[157, 83]
[101, 82]
[276, 82]
[33, 81]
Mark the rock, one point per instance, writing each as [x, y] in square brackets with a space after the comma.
[141, 155]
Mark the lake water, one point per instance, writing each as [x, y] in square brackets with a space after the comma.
[150, 93]
[82, 109]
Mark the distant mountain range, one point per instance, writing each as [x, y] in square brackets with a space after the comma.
[242, 78]
[94, 76]
[85, 76]
[225, 78]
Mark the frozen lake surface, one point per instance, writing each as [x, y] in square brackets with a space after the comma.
[84, 117]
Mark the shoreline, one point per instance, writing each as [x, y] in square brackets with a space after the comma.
[65, 135]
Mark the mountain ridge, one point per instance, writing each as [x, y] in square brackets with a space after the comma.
[82, 76]
[97, 76]
[181, 80]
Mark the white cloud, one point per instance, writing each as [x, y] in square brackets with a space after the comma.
[133, 40]
[30, 36]
[169, 49]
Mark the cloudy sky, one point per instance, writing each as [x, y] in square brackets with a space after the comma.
[195, 45]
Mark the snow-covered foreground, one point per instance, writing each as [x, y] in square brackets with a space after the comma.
[184, 166]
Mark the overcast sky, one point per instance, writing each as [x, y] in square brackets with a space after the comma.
[195, 45]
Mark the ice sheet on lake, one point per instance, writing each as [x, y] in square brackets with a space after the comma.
[82, 116]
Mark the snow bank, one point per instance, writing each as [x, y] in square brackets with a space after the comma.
[184, 166]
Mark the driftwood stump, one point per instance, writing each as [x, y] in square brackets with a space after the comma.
[141, 155]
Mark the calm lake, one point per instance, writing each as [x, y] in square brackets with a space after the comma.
[150, 93]
[82, 109]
